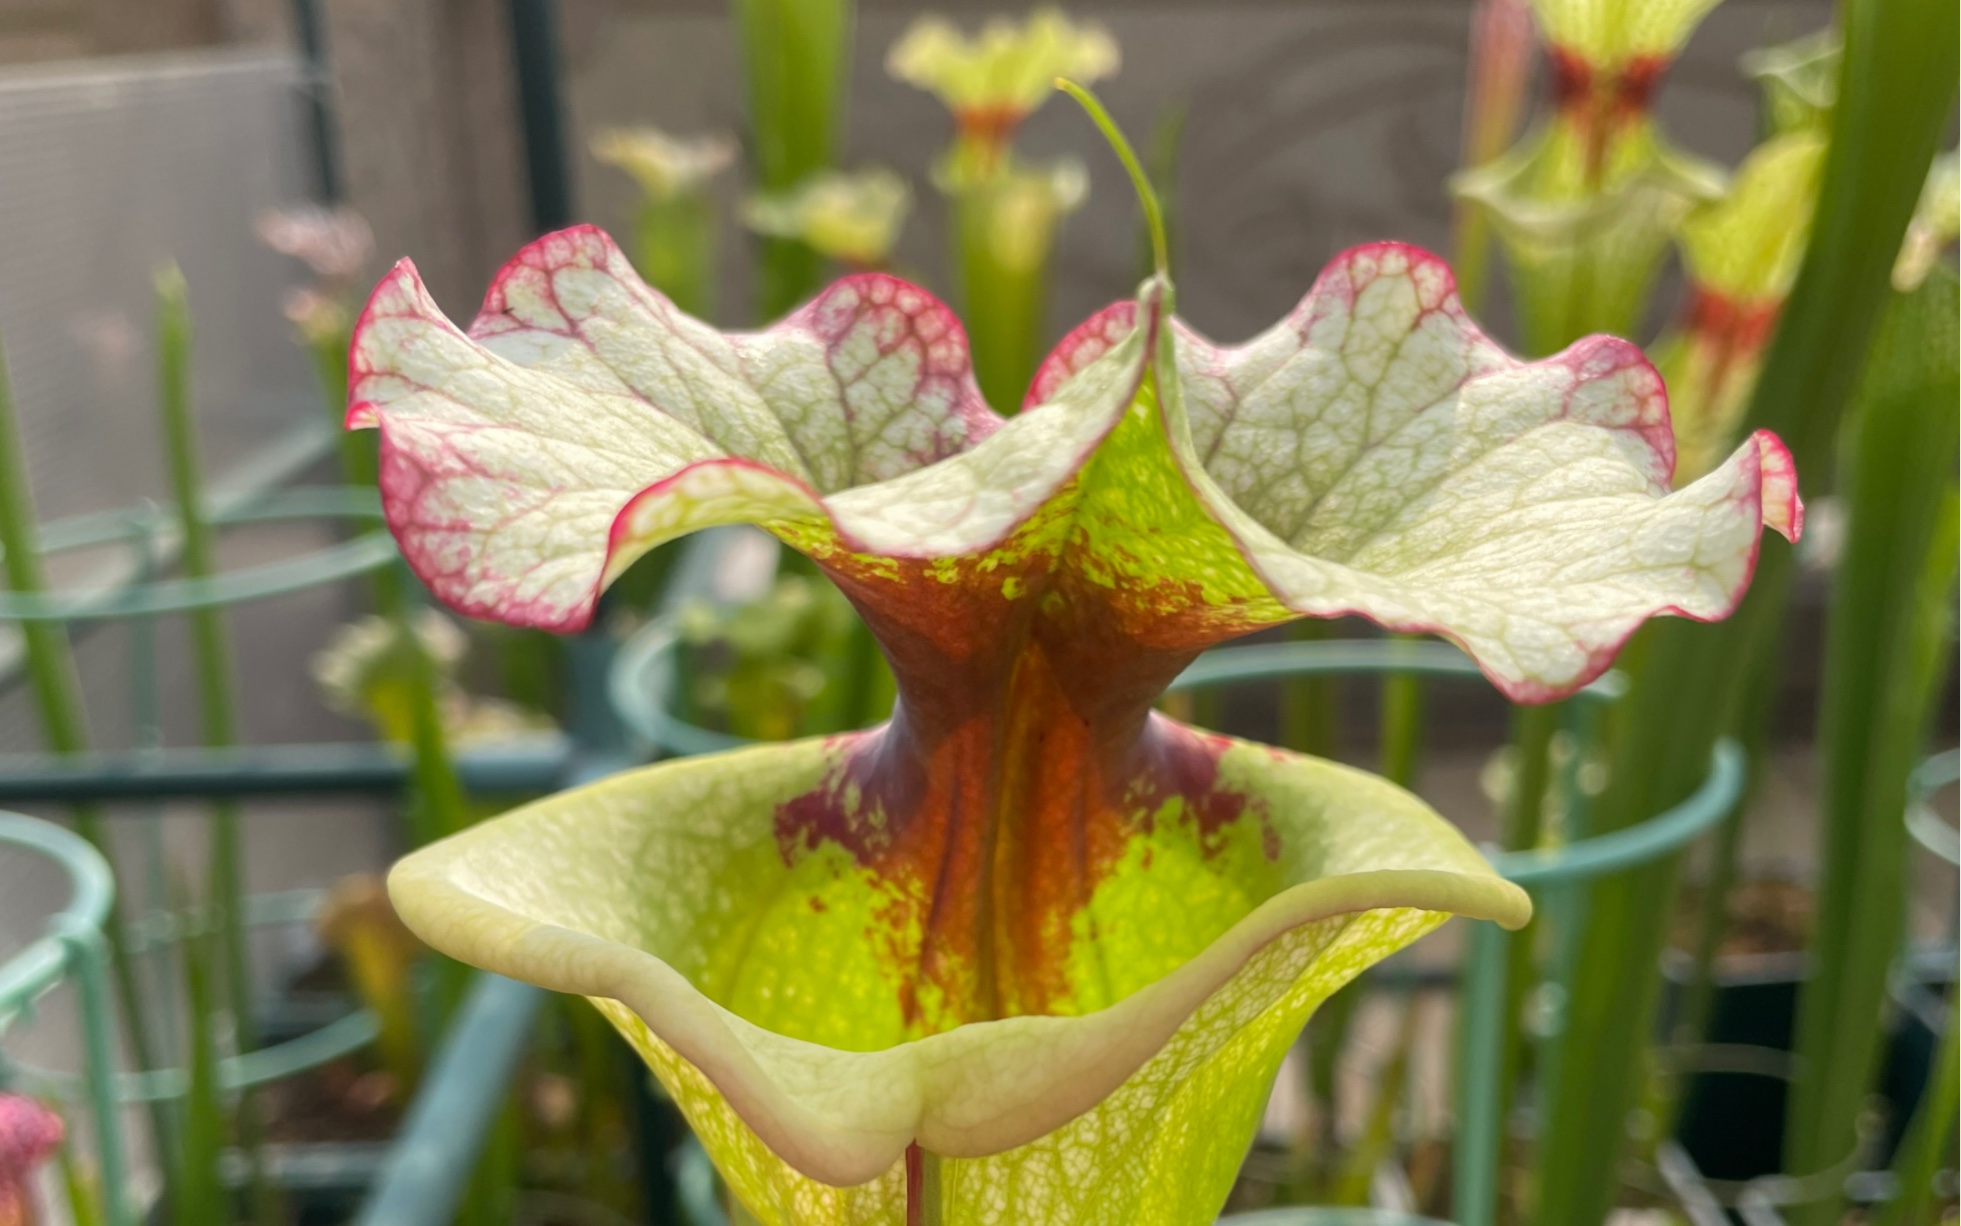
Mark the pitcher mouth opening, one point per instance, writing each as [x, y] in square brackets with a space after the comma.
[747, 967]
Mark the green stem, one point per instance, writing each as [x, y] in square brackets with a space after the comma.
[490, 1199]
[1161, 160]
[1896, 89]
[675, 250]
[52, 677]
[796, 62]
[1928, 1143]
[438, 805]
[1471, 255]
[602, 1113]
[789, 272]
[1327, 1032]
[1759, 692]
[1401, 724]
[359, 457]
[1582, 314]
[1357, 1174]
[1310, 716]
[867, 681]
[1478, 1149]
[1886, 663]
[1147, 196]
[198, 1192]
[1002, 299]
[211, 655]
[1679, 703]
[81, 1189]
[925, 1198]
[209, 647]
[1532, 732]
[358, 465]
[1711, 926]
[1533, 729]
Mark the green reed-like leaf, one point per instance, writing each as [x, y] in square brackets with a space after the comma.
[57, 698]
[1895, 93]
[212, 663]
[1005, 227]
[1310, 712]
[676, 247]
[491, 1197]
[1502, 43]
[1163, 154]
[50, 664]
[1928, 1144]
[210, 646]
[82, 1192]
[796, 59]
[1400, 726]
[357, 454]
[197, 1193]
[1895, 97]
[1378, 1137]
[436, 804]
[1885, 663]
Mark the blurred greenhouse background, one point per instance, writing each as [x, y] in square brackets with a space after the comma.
[136, 134]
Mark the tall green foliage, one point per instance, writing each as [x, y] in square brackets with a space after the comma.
[1885, 661]
[216, 688]
[210, 649]
[1005, 227]
[197, 1191]
[56, 689]
[1928, 1144]
[1896, 88]
[796, 59]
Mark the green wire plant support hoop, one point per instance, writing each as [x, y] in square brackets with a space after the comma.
[337, 1038]
[76, 945]
[422, 1178]
[148, 534]
[73, 945]
[639, 686]
[1923, 824]
[146, 529]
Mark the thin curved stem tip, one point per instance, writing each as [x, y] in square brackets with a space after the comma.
[1146, 195]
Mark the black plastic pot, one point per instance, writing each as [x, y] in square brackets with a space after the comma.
[1732, 1106]
[1732, 1114]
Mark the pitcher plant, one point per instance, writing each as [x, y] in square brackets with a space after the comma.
[1029, 951]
